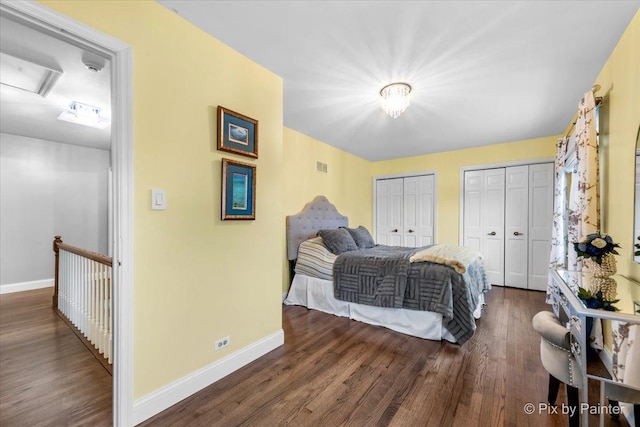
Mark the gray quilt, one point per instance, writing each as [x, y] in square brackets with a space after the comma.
[383, 276]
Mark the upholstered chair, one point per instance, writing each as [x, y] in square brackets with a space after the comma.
[557, 359]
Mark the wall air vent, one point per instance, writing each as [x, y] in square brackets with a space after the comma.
[321, 167]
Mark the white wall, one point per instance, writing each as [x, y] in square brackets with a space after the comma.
[48, 189]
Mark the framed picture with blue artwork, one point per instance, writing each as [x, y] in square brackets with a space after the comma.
[237, 133]
[238, 190]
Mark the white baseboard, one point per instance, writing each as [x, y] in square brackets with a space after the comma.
[26, 286]
[607, 358]
[161, 399]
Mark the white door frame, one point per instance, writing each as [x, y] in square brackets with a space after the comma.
[62, 27]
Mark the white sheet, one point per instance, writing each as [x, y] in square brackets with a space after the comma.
[317, 294]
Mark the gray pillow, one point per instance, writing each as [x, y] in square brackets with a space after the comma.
[338, 240]
[362, 237]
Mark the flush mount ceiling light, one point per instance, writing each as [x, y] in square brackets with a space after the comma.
[86, 115]
[27, 75]
[395, 98]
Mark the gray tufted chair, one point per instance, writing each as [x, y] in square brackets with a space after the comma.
[557, 359]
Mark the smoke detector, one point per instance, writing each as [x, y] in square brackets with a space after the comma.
[94, 63]
[92, 66]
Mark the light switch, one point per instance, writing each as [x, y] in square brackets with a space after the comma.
[158, 199]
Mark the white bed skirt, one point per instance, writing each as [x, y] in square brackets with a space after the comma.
[317, 294]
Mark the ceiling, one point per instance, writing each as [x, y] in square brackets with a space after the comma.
[482, 72]
[28, 114]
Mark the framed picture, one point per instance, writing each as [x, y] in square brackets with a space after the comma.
[237, 133]
[238, 190]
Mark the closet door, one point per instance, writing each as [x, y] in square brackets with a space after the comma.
[508, 216]
[472, 213]
[516, 226]
[389, 215]
[492, 213]
[540, 224]
[483, 217]
[418, 210]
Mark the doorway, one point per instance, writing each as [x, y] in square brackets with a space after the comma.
[119, 54]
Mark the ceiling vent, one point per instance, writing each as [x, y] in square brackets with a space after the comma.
[27, 75]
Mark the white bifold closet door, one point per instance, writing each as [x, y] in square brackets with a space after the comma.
[508, 216]
[484, 219]
[389, 219]
[516, 262]
[405, 211]
[541, 188]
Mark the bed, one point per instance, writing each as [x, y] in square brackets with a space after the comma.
[434, 301]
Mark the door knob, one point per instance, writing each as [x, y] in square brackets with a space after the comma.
[395, 230]
[517, 233]
[410, 231]
[493, 233]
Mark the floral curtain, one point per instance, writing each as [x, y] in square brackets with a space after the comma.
[558, 256]
[588, 196]
[582, 214]
[626, 353]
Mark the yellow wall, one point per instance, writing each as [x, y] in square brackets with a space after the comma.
[448, 164]
[348, 183]
[197, 278]
[620, 118]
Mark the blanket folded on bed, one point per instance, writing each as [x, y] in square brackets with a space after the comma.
[458, 257]
[383, 276]
[375, 276]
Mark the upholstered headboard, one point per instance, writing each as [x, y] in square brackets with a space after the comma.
[316, 215]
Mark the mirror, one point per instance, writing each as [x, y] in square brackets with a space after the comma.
[636, 216]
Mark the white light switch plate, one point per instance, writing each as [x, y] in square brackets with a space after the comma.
[158, 199]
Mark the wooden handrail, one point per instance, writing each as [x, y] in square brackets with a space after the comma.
[94, 256]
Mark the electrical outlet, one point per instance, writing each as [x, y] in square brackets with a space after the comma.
[222, 343]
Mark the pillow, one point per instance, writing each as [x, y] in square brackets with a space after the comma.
[338, 240]
[362, 237]
[315, 260]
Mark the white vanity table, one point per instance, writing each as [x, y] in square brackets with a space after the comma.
[569, 308]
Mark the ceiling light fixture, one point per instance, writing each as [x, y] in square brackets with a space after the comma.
[86, 115]
[27, 75]
[395, 98]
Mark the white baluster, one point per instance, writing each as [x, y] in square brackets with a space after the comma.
[85, 296]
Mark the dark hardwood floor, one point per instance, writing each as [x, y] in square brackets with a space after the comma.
[47, 376]
[331, 371]
[334, 371]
